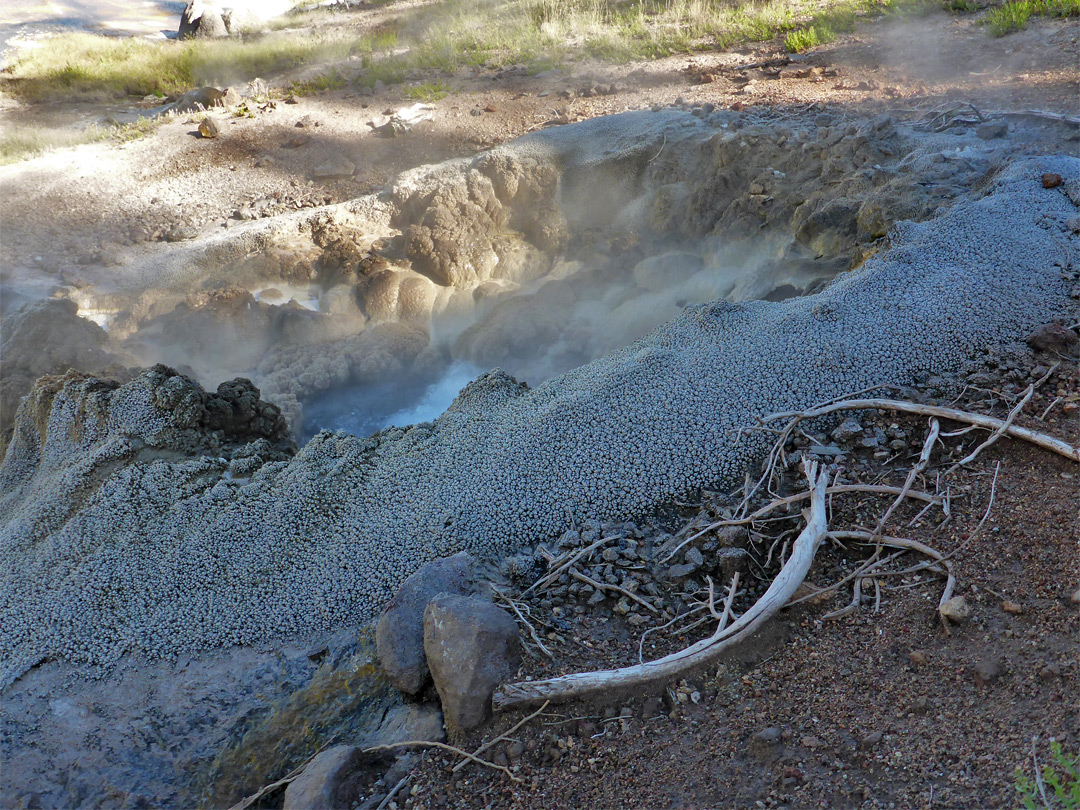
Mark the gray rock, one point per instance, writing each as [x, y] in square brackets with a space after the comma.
[211, 25]
[333, 168]
[991, 130]
[399, 634]
[202, 98]
[847, 430]
[472, 646]
[208, 128]
[408, 722]
[766, 744]
[693, 557]
[325, 783]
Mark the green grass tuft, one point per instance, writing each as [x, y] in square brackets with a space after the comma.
[427, 91]
[1060, 778]
[1015, 14]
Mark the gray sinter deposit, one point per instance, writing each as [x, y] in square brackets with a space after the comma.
[152, 519]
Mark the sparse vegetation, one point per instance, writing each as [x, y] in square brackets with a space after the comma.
[80, 65]
[1014, 15]
[28, 142]
[427, 91]
[1054, 786]
[537, 33]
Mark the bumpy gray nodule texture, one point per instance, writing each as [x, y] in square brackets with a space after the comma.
[105, 549]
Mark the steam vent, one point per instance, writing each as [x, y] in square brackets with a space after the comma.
[224, 454]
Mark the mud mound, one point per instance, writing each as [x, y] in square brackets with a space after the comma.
[104, 551]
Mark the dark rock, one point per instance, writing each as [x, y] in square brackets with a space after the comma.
[991, 130]
[399, 634]
[870, 740]
[847, 430]
[325, 783]
[1052, 337]
[189, 19]
[1051, 180]
[472, 646]
[766, 744]
[987, 671]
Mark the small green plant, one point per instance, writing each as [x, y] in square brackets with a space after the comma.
[330, 80]
[427, 91]
[962, 6]
[1056, 786]
[1015, 14]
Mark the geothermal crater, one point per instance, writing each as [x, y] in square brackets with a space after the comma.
[659, 279]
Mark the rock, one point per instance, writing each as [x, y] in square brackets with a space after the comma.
[211, 25]
[987, 670]
[240, 20]
[1052, 337]
[307, 121]
[1051, 180]
[230, 98]
[1075, 598]
[208, 128]
[408, 722]
[812, 742]
[693, 557]
[472, 646]
[399, 633]
[325, 783]
[189, 19]
[1073, 224]
[991, 130]
[335, 167]
[918, 658]
[870, 740]
[847, 430]
[765, 744]
[1012, 607]
[956, 609]
[202, 98]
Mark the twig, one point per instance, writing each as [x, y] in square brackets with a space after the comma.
[292, 776]
[706, 650]
[1042, 440]
[924, 460]
[779, 503]
[1038, 776]
[604, 586]
[452, 749]
[521, 616]
[389, 797]
[553, 575]
[501, 737]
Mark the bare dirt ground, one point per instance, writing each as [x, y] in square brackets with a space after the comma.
[876, 709]
[75, 205]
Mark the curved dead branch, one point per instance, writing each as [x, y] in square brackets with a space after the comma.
[706, 650]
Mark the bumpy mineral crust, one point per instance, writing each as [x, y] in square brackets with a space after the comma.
[117, 537]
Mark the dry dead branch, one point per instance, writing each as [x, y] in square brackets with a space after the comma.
[443, 746]
[706, 650]
[1043, 440]
[501, 737]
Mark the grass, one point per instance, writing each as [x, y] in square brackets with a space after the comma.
[80, 65]
[1014, 15]
[461, 33]
[1055, 786]
[427, 91]
[29, 142]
